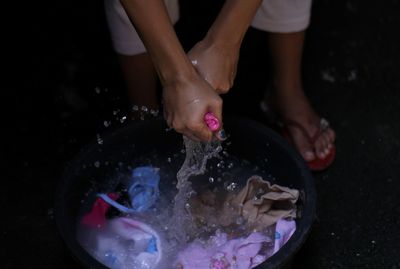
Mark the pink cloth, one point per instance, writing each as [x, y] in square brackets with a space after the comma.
[96, 218]
[221, 253]
[126, 243]
[283, 231]
[240, 253]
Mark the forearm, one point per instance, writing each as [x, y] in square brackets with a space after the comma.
[153, 24]
[233, 21]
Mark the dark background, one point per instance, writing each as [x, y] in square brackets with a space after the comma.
[62, 82]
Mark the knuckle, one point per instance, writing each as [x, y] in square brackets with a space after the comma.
[194, 126]
[218, 101]
[177, 126]
[206, 136]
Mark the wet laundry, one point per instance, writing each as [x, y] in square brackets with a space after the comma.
[125, 243]
[221, 253]
[259, 204]
[249, 226]
[142, 189]
[96, 217]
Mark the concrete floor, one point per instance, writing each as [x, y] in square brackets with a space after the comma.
[62, 64]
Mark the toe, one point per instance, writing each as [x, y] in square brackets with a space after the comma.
[320, 147]
[331, 135]
[302, 145]
[324, 143]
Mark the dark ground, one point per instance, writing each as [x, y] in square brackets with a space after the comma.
[61, 59]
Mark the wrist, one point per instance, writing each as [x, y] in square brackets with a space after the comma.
[217, 38]
[177, 73]
[175, 69]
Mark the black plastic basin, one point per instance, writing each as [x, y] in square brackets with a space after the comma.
[249, 140]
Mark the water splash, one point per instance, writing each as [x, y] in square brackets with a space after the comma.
[197, 155]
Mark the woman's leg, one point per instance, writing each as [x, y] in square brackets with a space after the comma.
[289, 99]
[141, 80]
[136, 66]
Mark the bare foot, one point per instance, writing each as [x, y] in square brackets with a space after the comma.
[293, 106]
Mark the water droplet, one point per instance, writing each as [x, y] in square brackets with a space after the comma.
[154, 112]
[232, 186]
[122, 119]
[99, 139]
[211, 179]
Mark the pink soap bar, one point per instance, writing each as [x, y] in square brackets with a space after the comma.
[211, 121]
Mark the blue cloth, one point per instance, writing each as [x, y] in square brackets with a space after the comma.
[152, 246]
[143, 190]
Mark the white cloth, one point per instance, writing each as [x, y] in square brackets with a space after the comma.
[125, 39]
[283, 16]
[278, 16]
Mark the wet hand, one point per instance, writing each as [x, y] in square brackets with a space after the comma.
[186, 101]
[216, 63]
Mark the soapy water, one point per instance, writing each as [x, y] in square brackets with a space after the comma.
[206, 167]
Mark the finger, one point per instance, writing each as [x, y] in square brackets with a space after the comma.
[222, 90]
[204, 134]
[200, 131]
[192, 137]
[216, 110]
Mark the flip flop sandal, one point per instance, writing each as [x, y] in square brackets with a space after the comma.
[317, 164]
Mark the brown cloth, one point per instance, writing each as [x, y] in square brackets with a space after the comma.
[259, 204]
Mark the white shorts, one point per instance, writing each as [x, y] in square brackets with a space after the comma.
[277, 16]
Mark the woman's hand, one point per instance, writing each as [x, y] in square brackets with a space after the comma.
[186, 101]
[216, 63]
